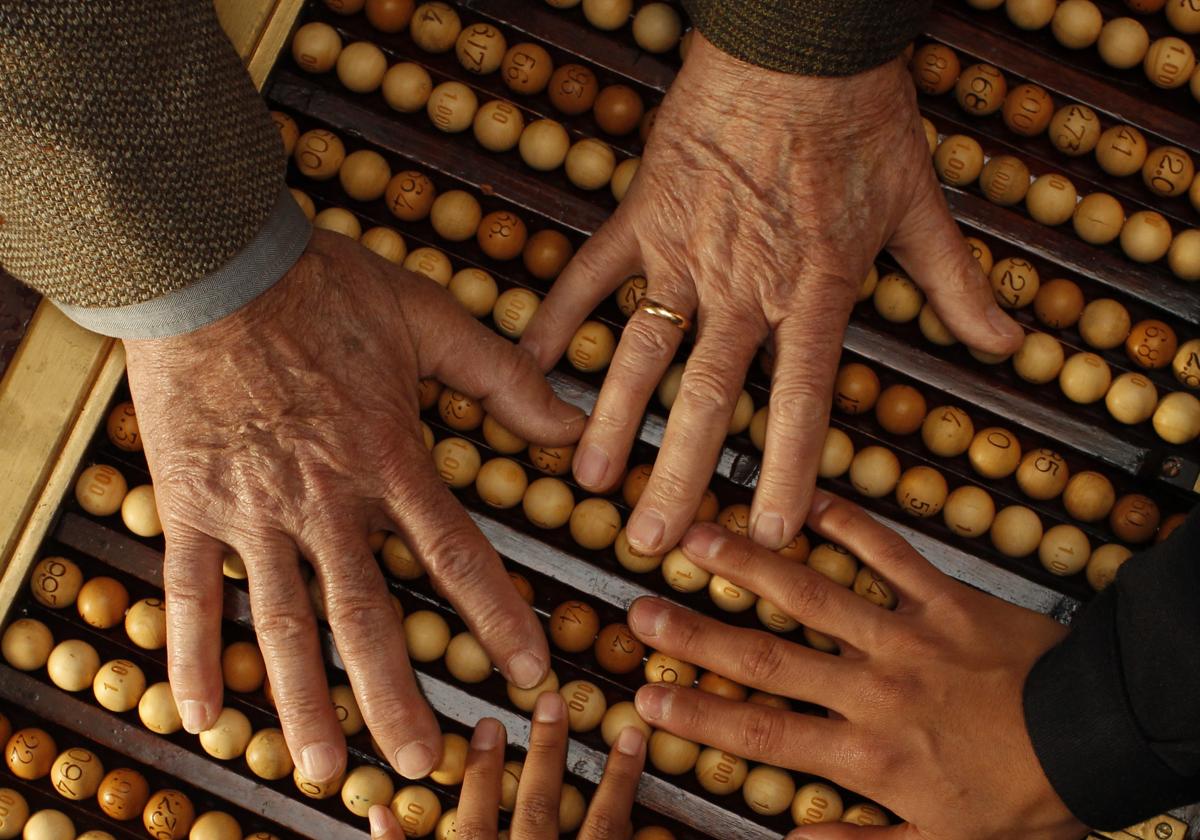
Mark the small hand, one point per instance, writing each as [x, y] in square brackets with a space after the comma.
[291, 428]
[759, 206]
[536, 815]
[925, 703]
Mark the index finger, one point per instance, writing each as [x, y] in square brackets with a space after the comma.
[608, 815]
[806, 357]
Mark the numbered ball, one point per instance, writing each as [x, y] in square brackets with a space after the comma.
[1151, 344]
[855, 389]
[26, 644]
[1123, 43]
[897, 298]
[618, 110]
[123, 794]
[1005, 180]
[480, 48]
[435, 27]
[573, 89]
[146, 624]
[1169, 62]
[55, 582]
[592, 347]
[366, 786]
[501, 235]
[119, 685]
[30, 753]
[72, 665]
[980, 90]
[168, 815]
[1051, 199]
[526, 68]
[594, 523]
[994, 453]
[1074, 130]
[513, 311]
[1084, 378]
[921, 491]
[406, 87]
[76, 774]
[267, 755]
[1064, 550]
[1168, 171]
[1015, 282]
[1121, 150]
[1027, 110]
[102, 602]
[1098, 219]
[1134, 518]
[969, 511]
[451, 107]
[1016, 531]
[585, 705]
[874, 471]
[958, 160]
[100, 490]
[157, 710]
[316, 47]
[1131, 398]
[573, 626]
[934, 68]
[815, 803]
[1042, 474]
[319, 154]
[947, 431]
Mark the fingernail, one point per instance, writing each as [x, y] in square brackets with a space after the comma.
[525, 670]
[375, 815]
[318, 762]
[592, 466]
[654, 702]
[645, 530]
[704, 540]
[414, 760]
[194, 715]
[549, 707]
[767, 530]
[1001, 323]
[487, 735]
[648, 617]
[630, 741]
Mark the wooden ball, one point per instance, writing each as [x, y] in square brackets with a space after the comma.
[572, 89]
[1085, 378]
[480, 48]
[935, 68]
[526, 68]
[26, 644]
[980, 90]
[622, 177]
[1074, 130]
[459, 412]
[870, 585]
[406, 87]
[947, 431]
[242, 667]
[668, 387]
[457, 461]
[958, 160]
[1168, 171]
[227, 738]
[931, 135]
[385, 242]
[427, 636]
[875, 471]
[500, 438]
[585, 705]
[410, 196]
[1103, 565]
[548, 503]
[452, 106]
[14, 813]
[146, 624]
[617, 650]
[345, 707]
[1177, 418]
[595, 523]
[1004, 180]
[100, 490]
[672, 755]
[1059, 303]
[768, 790]
[49, 824]
[453, 766]
[618, 718]
[1131, 398]
[592, 347]
[501, 483]
[636, 480]
[467, 660]
[719, 772]
[267, 755]
[509, 781]
[900, 409]
[1077, 24]
[1121, 150]
[1185, 366]
[981, 252]
[72, 665]
[1064, 550]
[316, 47]
[364, 175]
[55, 582]
[933, 329]
[215, 825]
[501, 235]
[864, 814]
[76, 774]
[319, 154]
[667, 669]
[607, 14]
[1169, 62]
[399, 560]
[897, 298]
[728, 596]
[122, 427]
[1051, 199]
[855, 389]
[618, 110]
[1098, 219]
[123, 794]
[1027, 110]
[102, 602]
[513, 311]
[498, 125]
[1040, 358]
[590, 163]
[338, 220]
[1151, 344]
[816, 802]
[1183, 257]
[921, 491]
[168, 815]
[316, 790]
[1016, 531]
[157, 710]
[1146, 236]
[552, 460]
[361, 67]
[386, 15]
[1104, 324]
[29, 753]
[1043, 474]
[681, 574]
[1089, 496]
[305, 203]
[435, 27]
[634, 561]
[657, 27]
[525, 698]
[735, 519]
[547, 253]
[833, 562]
[1123, 43]
[994, 452]
[573, 626]
[1030, 14]
[969, 511]
[366, 786]
[455, 215]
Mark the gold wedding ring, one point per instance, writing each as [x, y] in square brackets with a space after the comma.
[653, 307]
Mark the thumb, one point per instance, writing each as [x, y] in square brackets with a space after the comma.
[931, 248]
[845, 831]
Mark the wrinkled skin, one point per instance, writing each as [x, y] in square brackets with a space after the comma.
[759, 206]
[925, 702]
[290, 428]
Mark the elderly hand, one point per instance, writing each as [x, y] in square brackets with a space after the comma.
[759, 206]
[536, 812]
[925, 702]
[291, 428]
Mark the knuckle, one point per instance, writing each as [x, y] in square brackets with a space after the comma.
[458, 553]
[646, 342]
[762, 659]
[761, 732]
[798, 405]
[471, 827]
[602, 825]
[537, 811]
[282, 626]
[806, 594]
[707, 391]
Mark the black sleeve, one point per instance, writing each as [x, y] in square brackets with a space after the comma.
[1114, 711]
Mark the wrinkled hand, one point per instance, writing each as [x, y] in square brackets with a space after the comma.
[925, 702]
[759, 206]
[535, 816]
[291, 428]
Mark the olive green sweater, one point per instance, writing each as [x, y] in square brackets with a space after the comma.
[141, 179]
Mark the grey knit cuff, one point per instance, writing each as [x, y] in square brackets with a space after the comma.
[253, 270]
